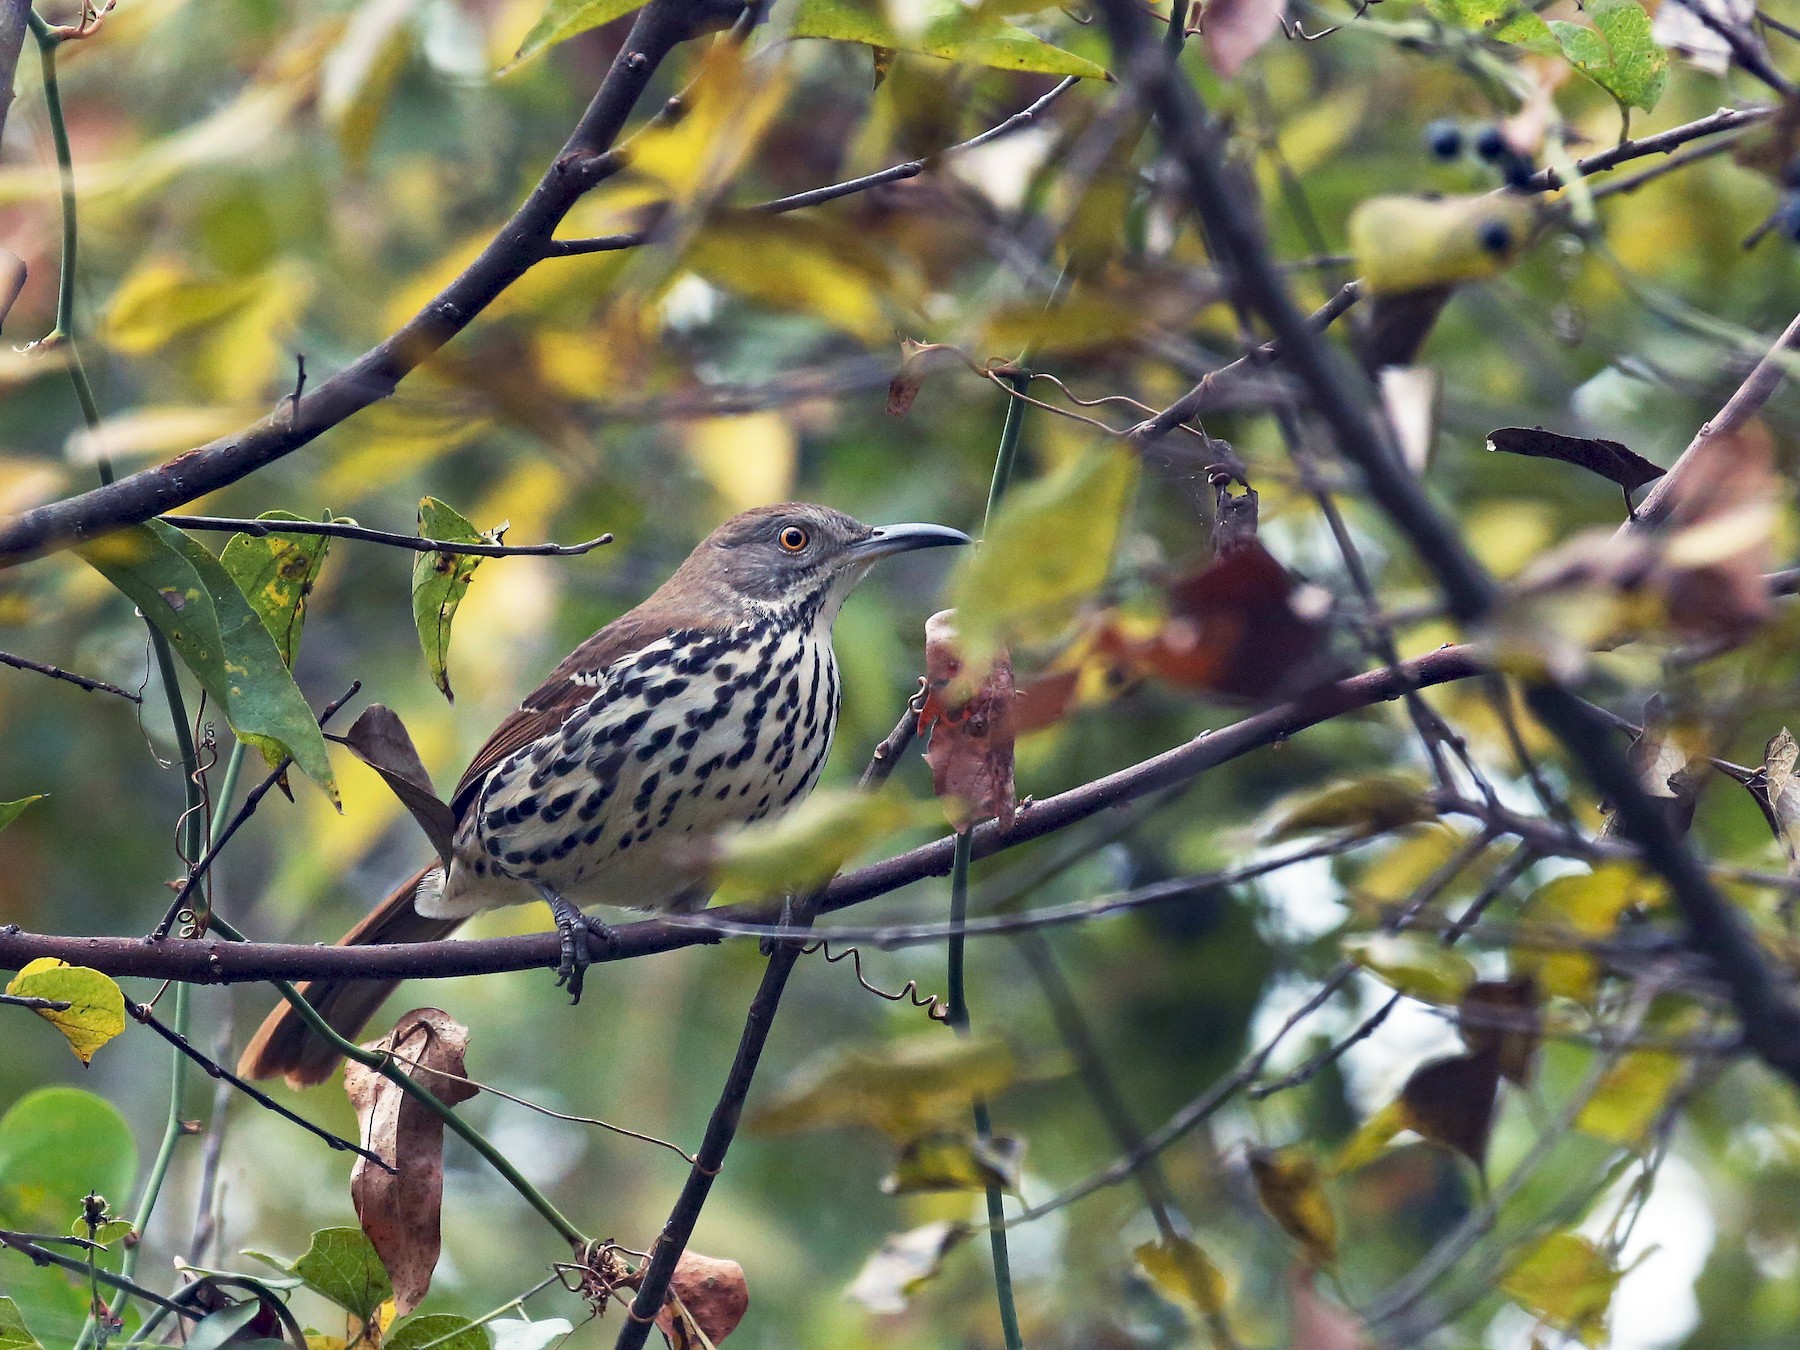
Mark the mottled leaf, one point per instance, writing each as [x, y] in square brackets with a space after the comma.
[193, 601]
[400, 1209]
[1291, 1190]
[903, 1263]
[440, 580]
[379, 739]
[1618, 53]
[971, 730]
[902, 1088]
[1415, 243]
[956, 1160]
[707, 1298]
[957, 33]
[1609, 459]
[276, 573]
[96, 1011]
[1503, 20]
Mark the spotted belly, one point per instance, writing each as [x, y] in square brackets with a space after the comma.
[678, 742]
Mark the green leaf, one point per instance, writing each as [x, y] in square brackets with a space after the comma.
[805, 847]
[11, 811]
[440, 1331]
[958, 35]
[562, 20]
[1184, 1273]
[56, 1145]
[14, 1334]
[216, 1329]
[1383, 801]
[1418, 966]
[1504, 20]
[192, 600]
[342, 1265]
[96, 1011]
[1049, 548]
[956, 1160]
[1631, 1097]
[1567, 1281]
[440, 580]
[903, 1088]
[276, 573]
[1617, 53]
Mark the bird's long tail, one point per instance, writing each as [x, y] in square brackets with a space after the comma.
[284, 1044]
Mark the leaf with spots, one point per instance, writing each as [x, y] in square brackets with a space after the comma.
[955, 33]
[96, 1011]
[193, 602]
[708, 1296]
[400, 1209]
[1618, 53]
[276, 573]
[971, 730]
[440, 580]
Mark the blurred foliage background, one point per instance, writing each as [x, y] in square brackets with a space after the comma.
[259, 179]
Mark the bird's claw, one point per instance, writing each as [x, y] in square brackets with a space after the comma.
[572, 926]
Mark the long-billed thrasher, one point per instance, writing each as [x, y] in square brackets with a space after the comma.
[711, 704]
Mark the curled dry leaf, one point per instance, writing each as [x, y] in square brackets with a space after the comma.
[916, 360]
[380, 739]
[1721, 505]
[971, 729]
[707, 1298]
[400, 1210]
[1777, 791]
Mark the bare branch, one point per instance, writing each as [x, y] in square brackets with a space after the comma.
[339, 529]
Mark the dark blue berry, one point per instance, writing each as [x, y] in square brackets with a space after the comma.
[1490, 144]
[1495, 236]
[1444, 138]
[1516, 170]
[1787, 215]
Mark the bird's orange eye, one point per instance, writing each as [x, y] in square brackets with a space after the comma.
[792, 539]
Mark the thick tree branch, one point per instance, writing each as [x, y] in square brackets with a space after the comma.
[211, 961]
[524, 240]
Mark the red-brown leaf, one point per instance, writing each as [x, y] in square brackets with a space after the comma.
[707, 1294]
[400, 1210]
[1725, 481]
[972, 732]
[1450, 1101]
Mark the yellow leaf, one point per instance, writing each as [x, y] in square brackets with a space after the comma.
[956, 1160]
[1290, 1188]
[1370, 1140]
[955, 34]
[1410, 243]
[804, 848]
[1582, 905]
[792, 263]
[1565, 1280]
[1184, 1273]
[727, 109]
[162, 299]
[1418, 966]
[1049, 548]
[564, 19]
[154, 431]
[903, 1088]
[1382, 801]
[96, 1011]
[1631, 1097]
[749, 460]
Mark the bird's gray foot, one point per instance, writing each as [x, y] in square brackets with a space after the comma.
[573, 927]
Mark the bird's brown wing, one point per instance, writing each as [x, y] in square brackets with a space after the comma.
[567, 687]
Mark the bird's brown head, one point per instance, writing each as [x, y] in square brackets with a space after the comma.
[796, 554]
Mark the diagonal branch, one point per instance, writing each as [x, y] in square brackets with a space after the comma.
[524, 240]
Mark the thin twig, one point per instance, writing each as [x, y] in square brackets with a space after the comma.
[339, 529]
[58, 673]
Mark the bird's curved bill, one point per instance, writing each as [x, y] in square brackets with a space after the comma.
[891, 539]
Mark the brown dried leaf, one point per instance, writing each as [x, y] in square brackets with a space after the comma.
[1450, 1101]
[1777, 791]
[1717, 510]
[972, 732]
[1609, 459]
[400, 1210]
[379, 739]
[915, 357]
[1500, 1017]
[1236, 30]
[1243, 627]
[708, 1297]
